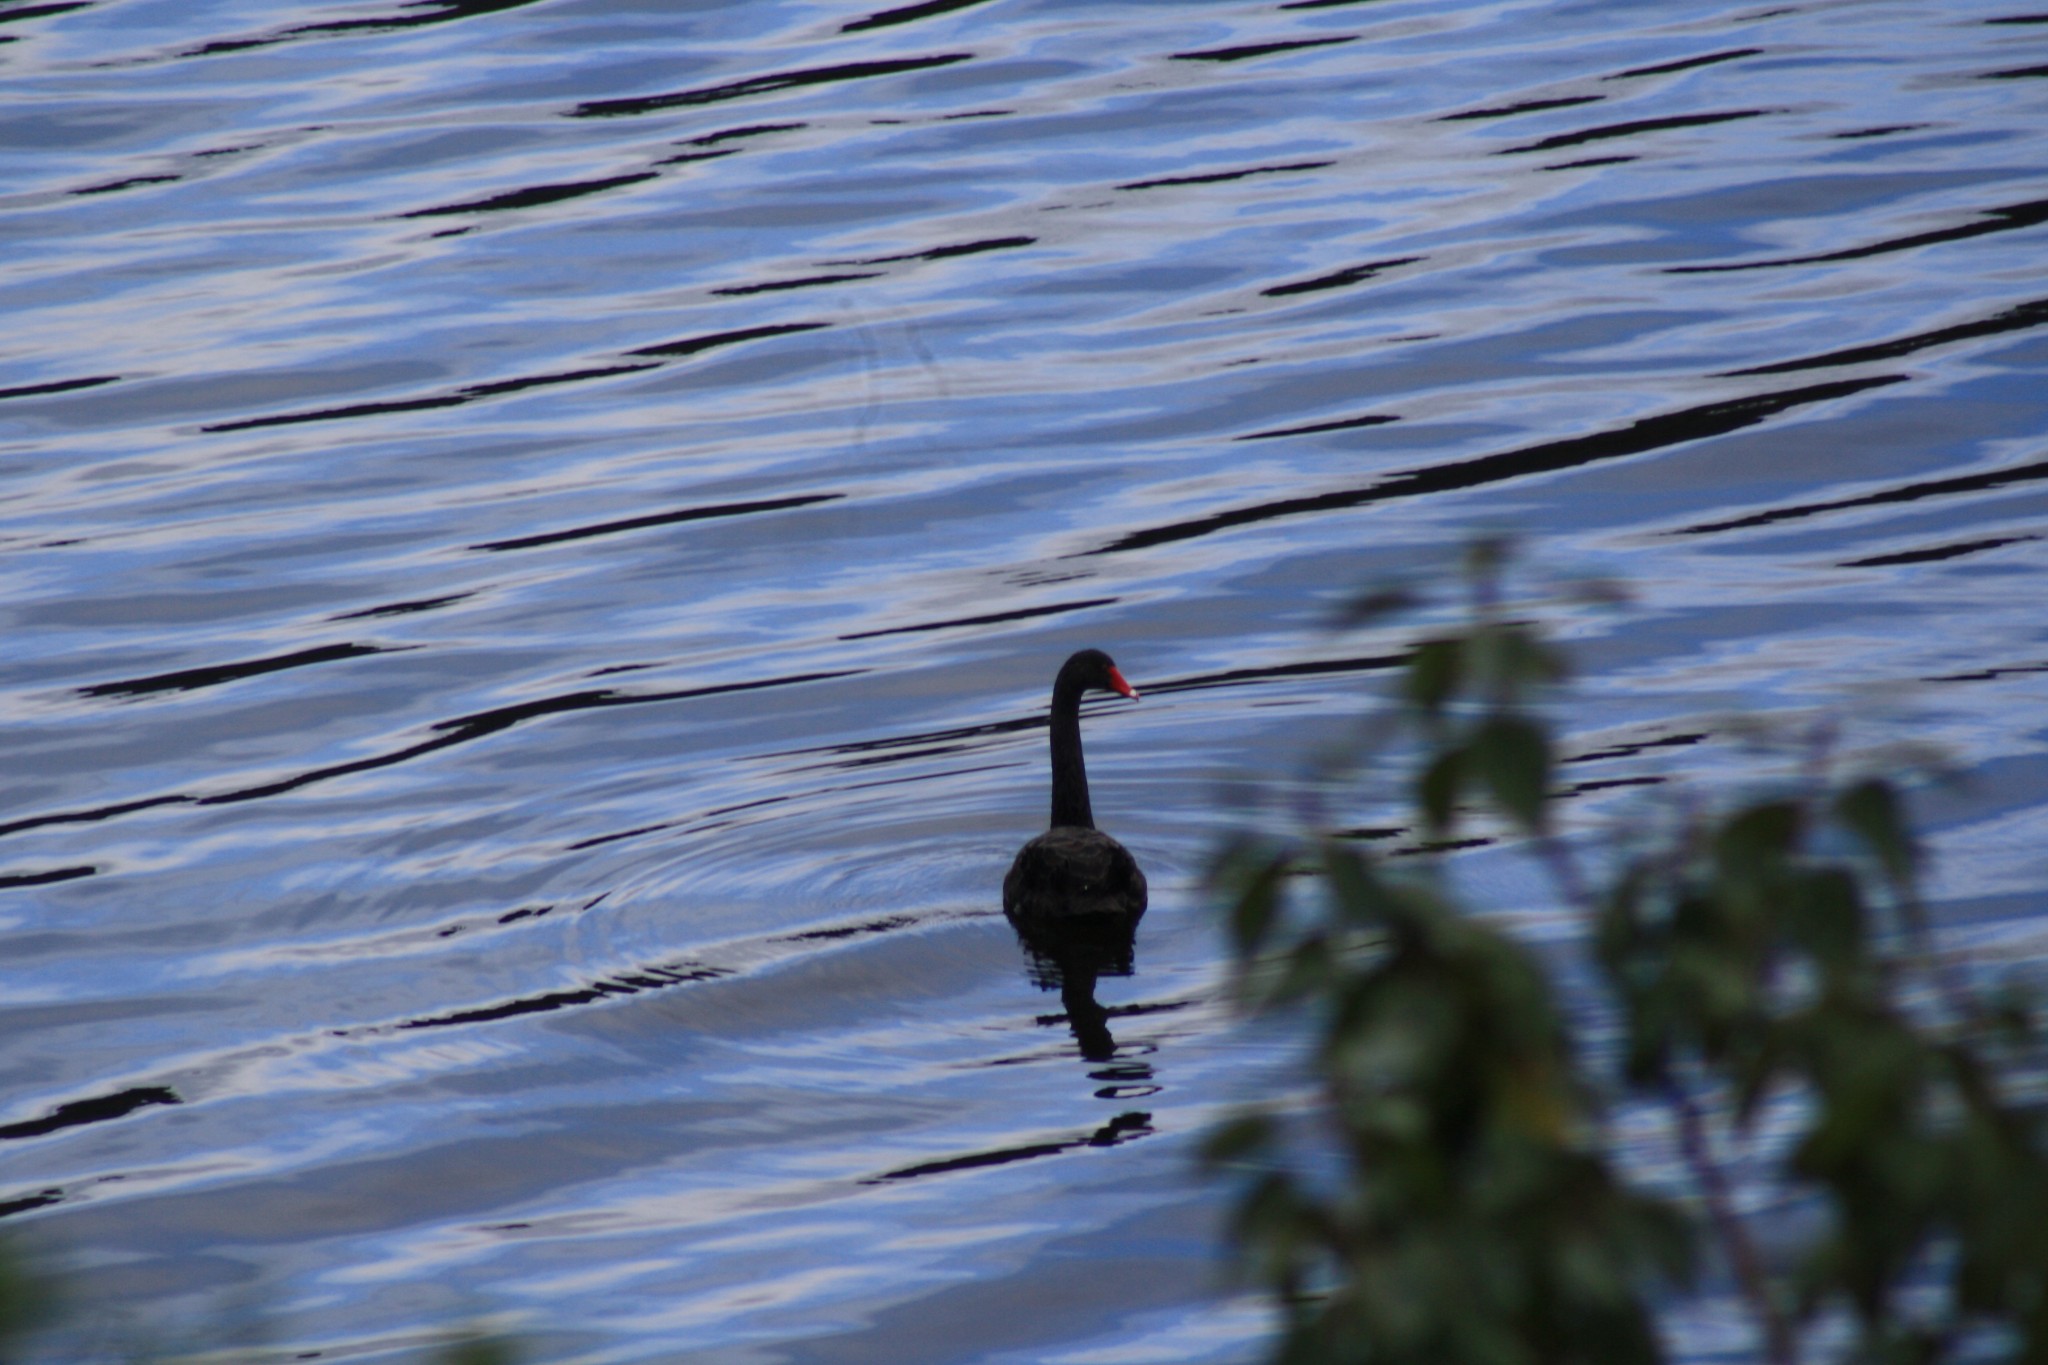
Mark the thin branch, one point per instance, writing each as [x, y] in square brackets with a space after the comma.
[1719, 1198]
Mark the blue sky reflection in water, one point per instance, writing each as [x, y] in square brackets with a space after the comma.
[536, 537]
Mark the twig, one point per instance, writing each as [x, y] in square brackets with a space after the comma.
[1779, 1348]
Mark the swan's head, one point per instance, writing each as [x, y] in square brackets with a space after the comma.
[1090, 670]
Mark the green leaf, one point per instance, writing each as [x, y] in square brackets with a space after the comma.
[1241, 1138]
[1512, 755]
[1260, 880]
[1374, 605]
[28, 1298]
[1356, 893]
[1870, 809]
[1436, 672]
[477, 1349]
[1757, 838]
[1825, 915]
[1436, 792]
[1509, 661]
[1485, 558]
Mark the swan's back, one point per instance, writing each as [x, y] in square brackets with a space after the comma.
[1070, 870]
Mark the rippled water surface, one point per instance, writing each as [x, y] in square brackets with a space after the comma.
[536, 535]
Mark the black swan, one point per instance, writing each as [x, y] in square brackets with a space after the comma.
[1074, 874]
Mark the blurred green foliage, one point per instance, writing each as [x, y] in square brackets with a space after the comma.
[477, 1348]
[31, 1300]
[1453, 1193]
[26, 1301]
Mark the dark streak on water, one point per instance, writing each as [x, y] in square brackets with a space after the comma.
[1640, 126]
[609, 528]
[1931, 554]
[1122, 1128]
[2033, 313]
[2030, 214]
[1370, 419]
[98, 1109]
[1523, 107]
[419, 14]
[1251, 50]
[191, 679]
[1645, 434]
[907, 14]
[1687, 63]
[533, 196]
[46, 877]
[1909, 492]
[762, 85]
[693, 345]
[59, 386]
[942, 253]
[460, 730]
[1338, 279]
[1223, 177]
[402, 608]
[986, 619]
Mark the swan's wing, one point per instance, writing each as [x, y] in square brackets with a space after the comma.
[1070, 870]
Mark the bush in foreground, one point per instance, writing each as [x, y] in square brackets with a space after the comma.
[1454, 1195]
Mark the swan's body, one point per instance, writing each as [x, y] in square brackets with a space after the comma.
[1074, 870]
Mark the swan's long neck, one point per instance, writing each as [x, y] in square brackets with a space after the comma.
[1069, 772]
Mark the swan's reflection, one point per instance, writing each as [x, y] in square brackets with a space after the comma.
[1068, 953]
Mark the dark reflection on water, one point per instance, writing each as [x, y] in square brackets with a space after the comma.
[1644, 434]
[763, 85]
[1070, 954]
[98, 1109]
[2006, 218]
[1122, 1128]
[417, 14]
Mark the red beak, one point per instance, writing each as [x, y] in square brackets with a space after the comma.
[1116, 680]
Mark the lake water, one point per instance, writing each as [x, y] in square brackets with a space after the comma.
[536, 536]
